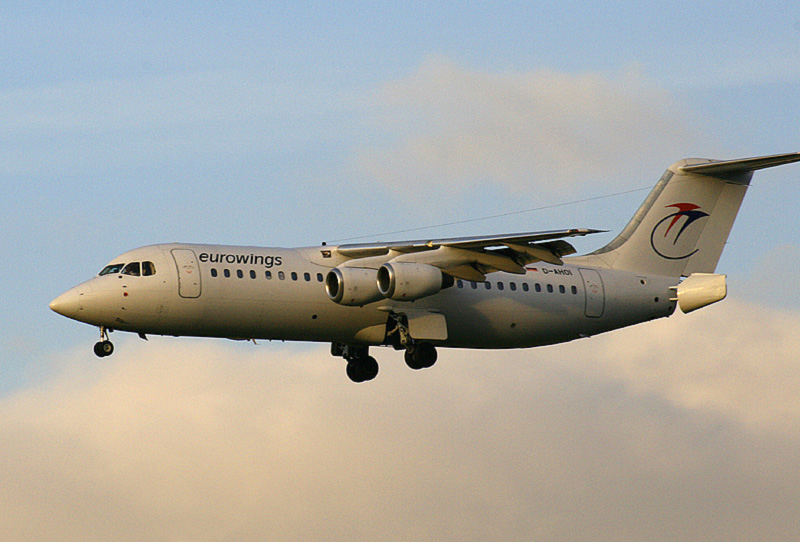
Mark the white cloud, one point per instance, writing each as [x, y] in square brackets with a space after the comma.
[682, 428]
[744, 370]
[543, 129]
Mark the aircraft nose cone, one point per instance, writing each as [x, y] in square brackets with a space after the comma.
[67, 304]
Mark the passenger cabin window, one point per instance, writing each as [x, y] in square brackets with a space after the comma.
[112, 269]
[133, 269]
[213, 272]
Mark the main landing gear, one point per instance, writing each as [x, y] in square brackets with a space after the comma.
[104, 347]
[419, 355]
[361, 367]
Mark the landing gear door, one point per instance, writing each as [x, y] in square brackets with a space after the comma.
[188, 272]
[595, 294]
[424, 325]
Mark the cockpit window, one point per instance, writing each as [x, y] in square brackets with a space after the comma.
[148, 269]
[132, 269]
[111, 269]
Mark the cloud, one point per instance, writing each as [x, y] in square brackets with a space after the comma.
[681, 428]
[745, 371]
[453, 126]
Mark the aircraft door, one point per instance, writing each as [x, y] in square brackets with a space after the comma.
[595, 294]
[188, 272]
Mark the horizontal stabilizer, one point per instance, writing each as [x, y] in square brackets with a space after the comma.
[743, 165]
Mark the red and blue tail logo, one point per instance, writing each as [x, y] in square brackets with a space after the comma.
[670, 229]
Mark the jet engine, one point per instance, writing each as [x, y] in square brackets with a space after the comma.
[352, 286]
[410, 281]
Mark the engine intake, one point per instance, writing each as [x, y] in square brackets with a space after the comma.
[352, 286]
[410, 281]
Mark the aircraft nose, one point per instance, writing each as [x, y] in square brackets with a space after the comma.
[67, 304]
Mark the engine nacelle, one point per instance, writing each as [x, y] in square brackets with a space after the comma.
[352, 286]
[410, 281]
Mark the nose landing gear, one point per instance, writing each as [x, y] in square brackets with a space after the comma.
[104, 347]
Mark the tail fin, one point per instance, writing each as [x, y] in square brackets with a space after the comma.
[682, 226]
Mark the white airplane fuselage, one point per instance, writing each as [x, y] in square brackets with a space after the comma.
[286, 299]
[497, 291]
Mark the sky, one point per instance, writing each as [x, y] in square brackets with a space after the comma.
[126, 124]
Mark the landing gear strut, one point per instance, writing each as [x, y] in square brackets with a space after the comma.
[419, 355]
[361, 367]
[104, 347]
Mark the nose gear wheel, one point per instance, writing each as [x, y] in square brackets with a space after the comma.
[104, 347]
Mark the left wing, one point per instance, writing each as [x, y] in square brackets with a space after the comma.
[469, 258]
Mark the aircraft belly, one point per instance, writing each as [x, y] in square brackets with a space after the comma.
[503, 322]
[316, 321]
[477, 319]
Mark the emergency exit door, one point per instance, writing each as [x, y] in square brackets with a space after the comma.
[595, 294]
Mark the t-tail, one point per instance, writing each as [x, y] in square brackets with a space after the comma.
[682, 226]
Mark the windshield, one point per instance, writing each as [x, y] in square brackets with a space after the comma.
[110, 269]
[132, 269]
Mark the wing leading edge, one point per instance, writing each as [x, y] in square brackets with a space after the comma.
[470, 258]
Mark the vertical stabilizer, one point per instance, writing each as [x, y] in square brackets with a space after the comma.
[682, 226]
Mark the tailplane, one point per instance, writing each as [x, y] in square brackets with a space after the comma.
[682, 226]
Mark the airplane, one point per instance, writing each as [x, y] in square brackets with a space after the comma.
[492, 292]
